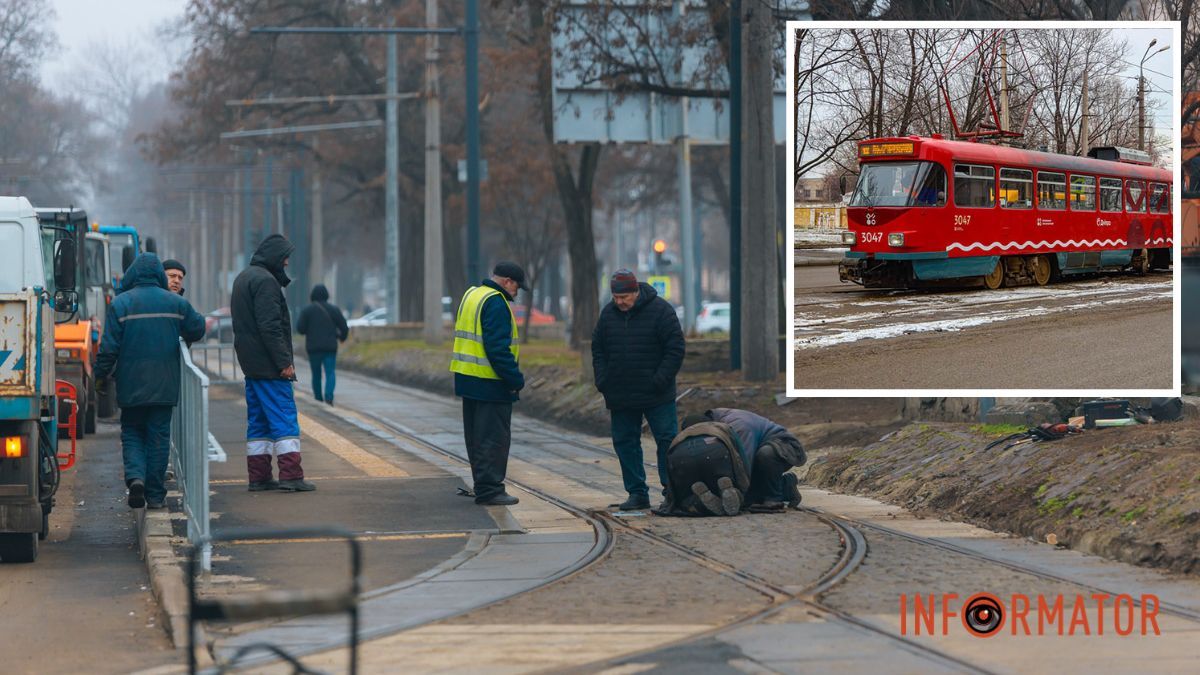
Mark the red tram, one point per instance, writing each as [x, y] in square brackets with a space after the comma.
[931, 212]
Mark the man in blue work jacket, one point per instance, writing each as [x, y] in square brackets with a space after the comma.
[141, 345]
[487, 377]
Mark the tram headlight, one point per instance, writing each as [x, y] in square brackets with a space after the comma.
[849, 238]
[896, 239]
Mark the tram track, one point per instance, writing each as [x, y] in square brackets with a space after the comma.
[853, 552]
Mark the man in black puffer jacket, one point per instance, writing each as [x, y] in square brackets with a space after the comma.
[262, 338]
[637, 349]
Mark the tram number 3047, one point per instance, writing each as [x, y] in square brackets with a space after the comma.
[962, 220]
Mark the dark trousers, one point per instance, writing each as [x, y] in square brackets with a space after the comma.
[328, 361]
[627, 441]
[771, 462]
[146, 447]
[487, 428]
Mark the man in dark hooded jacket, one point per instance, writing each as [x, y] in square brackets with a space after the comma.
[768, 451]
[323, 326]
[141, 345]
[637, 350]
[262, 338]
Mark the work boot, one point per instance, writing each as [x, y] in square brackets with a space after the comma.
[731, 499]
[711, 502]
[329, 401]
[502, 499]
[635, 503]
[137, 493]
[791, 490]
[154, 505]
[296, 485]
[261, 485]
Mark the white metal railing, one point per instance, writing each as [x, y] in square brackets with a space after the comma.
[217, 358]
[192, 448]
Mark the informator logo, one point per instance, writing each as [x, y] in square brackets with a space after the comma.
[986, 615]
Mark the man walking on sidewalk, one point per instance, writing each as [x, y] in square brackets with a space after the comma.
[637, 349]
[323, 327]
[141, 345]
[262, 338]
[487, 377]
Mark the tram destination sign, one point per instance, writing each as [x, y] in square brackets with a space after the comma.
[886, 149]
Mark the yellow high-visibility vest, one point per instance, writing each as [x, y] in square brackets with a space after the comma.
[470, 358]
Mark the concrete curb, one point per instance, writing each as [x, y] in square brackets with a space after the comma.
[167, 580]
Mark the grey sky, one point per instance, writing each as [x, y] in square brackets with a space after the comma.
[82, 22]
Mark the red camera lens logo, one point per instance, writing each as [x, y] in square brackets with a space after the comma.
[983, 615]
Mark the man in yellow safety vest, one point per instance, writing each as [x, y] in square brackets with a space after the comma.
[487, 377]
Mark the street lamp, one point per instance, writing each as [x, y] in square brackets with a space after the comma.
[1142, 91]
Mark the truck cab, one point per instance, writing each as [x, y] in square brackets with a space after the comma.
[37, 276]
[76, 338]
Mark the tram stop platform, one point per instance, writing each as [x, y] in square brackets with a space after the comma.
[428, 553]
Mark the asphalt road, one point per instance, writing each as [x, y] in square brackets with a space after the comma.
[85, 605]
[1113, 332]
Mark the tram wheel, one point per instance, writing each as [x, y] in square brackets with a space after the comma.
[1040, 266]
[995, 279]
[1142, 268]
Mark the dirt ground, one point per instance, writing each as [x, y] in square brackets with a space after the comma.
[1132, 494]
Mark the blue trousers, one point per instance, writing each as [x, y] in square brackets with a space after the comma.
[146, 447]
[272, 429]
[627, 441]
[328, 361]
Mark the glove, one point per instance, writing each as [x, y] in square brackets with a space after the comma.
[101, 383]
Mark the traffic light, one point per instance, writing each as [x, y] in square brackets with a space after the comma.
[660, 248]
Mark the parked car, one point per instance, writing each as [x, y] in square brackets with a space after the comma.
[218, 325]
[376, 317]
[539, 318]
[713, 318]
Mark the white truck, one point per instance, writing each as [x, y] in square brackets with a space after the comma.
[35, 260]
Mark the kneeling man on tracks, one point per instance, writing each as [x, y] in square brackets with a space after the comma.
[488, 378]
[727, 459]
[141, 345]
[637, 350]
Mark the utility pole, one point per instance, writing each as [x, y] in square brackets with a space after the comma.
[392, 207]
[759, 264]
[735, 184]
[1003, 85]
[471, 35]
[1084, 132]
[316, 269]
[202, 295]
[1141, 110]
[687, 225]
[434, 274]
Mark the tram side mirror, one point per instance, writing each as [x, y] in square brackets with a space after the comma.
[842, 184]
[151, 245]
[64, 265]
[127, 256]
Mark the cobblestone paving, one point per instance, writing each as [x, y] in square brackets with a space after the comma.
[895, 565]
[639, 583]
[790, 549]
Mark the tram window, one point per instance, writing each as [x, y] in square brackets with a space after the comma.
[1016, 189]
[904, 184]
[1160, 198]
[974, 186]
[1110, 195]
[1135, 190]
[1083, 193]
[1052, 191]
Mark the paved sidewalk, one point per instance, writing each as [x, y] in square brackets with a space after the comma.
[428, 553]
